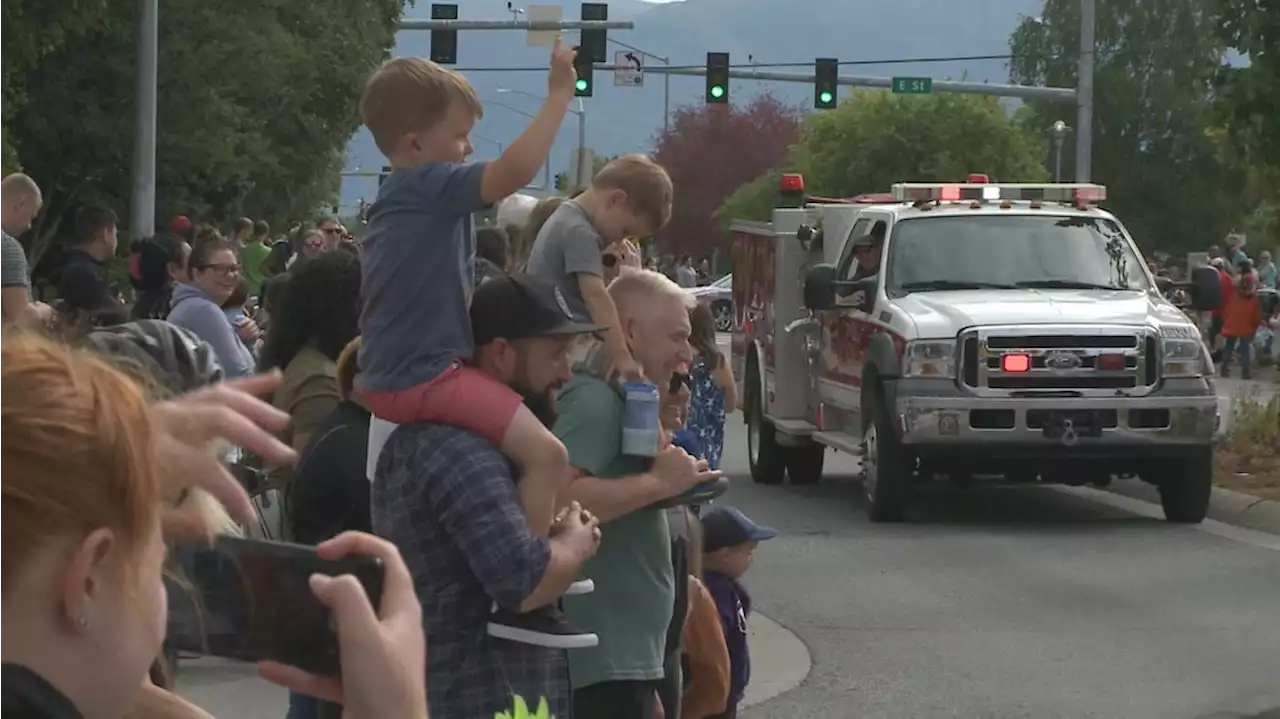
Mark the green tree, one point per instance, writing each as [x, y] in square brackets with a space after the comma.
[32, 30]
[563, 182]
[874, 139]
[1154, 66]
[253, 114]
[1250, 94]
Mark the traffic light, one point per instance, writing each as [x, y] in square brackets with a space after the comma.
[593, 42]
[825, 87]
[586, 69]
[718, 77]
[444, 43]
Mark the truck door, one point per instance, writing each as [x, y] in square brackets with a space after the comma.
[847, 332]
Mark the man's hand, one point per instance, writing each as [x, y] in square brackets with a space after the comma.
[248, 330]
[563, 76]
[680, 471]
[578, 529]
[627, 252]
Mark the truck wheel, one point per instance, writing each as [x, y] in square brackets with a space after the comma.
[766, 457]
[886, 467]
[1185, 487]
[804, 463]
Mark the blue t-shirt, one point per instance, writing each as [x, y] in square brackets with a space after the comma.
[418, 264]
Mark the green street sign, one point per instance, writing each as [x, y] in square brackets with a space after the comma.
[913, 85]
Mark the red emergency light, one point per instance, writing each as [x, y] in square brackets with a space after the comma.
[1015, 363]
[791, 182]
[978, 178]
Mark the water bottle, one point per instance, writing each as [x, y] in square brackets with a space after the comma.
[641, 433]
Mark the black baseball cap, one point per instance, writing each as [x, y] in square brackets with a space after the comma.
[514, 307]
[724, 526]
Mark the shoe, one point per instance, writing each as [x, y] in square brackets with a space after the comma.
[544, 627]
[698, 494]
[582, 586]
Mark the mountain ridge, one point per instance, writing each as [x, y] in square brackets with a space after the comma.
[625, 119]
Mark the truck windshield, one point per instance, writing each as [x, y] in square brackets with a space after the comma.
[1011, 251]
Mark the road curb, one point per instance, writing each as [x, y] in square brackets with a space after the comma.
[780, 660]
[1225, 505]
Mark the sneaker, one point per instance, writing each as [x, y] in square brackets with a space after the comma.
[698, 494]
[582, 586]
[544, 627]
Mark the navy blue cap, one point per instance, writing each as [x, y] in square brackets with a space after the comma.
[724, 526]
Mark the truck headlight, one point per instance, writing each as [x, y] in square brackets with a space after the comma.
[1184, 352]
[929, 358]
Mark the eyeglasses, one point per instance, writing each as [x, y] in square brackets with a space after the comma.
[332, 230]
[224, 270]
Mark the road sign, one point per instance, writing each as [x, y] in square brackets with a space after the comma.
[913, 85]
[628, 69]
[543, 13]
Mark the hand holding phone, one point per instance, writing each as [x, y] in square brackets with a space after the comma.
[383, 656]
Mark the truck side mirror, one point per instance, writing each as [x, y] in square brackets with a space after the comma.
[1206, 289]
[820, 287]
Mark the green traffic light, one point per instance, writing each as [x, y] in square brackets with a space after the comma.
[581, 84]
[826, 98]
[717, 91]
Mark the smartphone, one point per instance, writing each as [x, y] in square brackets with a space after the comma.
[253, 601]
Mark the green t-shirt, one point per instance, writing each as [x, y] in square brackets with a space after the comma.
[631, 606]
[251, 258]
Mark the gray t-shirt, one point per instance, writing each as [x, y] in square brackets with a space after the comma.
[568, 244]
[418, 264]
[13, 264]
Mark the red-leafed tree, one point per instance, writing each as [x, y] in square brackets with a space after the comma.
[710, 151]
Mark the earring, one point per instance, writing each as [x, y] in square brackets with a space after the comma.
[82, 622]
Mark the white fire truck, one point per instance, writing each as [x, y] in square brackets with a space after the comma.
[970, 330]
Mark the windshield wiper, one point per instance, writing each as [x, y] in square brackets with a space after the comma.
[1051, 284]
[954, 285]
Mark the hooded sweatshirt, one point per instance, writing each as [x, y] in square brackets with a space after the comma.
[194, 310]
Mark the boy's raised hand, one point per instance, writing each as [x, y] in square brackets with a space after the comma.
[563, 76]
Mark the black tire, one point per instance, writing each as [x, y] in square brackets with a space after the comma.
[887, 479]
[1185, 487]
[768, 459]
[804, 463]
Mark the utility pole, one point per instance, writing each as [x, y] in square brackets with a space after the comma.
[142, 210]
[666, 81]
[1084, 91]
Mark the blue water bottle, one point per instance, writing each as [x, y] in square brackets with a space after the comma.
[641, 431]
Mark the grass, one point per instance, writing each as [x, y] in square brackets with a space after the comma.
[1247, 457]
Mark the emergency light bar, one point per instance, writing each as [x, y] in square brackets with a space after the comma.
[921, 191]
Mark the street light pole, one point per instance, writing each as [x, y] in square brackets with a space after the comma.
[582, 170]
[1058, 131]
[142, 211]
[1084, 91]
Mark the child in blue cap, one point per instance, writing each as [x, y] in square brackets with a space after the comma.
[730, 539]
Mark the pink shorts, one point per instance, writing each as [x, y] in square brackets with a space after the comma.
[461, 396]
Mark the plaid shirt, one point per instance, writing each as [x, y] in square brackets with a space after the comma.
[447, 499]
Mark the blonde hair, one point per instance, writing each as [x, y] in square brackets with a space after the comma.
[348, 368]
[18, 186]
[409, 94]
[648, 187]
[638, 287]
[78, 445]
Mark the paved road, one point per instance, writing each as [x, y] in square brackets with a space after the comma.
[993, 603]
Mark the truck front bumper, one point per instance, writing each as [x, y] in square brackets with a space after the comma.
[932, 414]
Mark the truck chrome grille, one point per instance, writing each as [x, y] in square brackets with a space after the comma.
[1070, 360]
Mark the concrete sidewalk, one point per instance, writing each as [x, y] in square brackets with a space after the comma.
[779, 660]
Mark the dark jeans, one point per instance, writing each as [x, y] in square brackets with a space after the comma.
[615, 700]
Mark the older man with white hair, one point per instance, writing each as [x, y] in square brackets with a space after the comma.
[631, 607]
